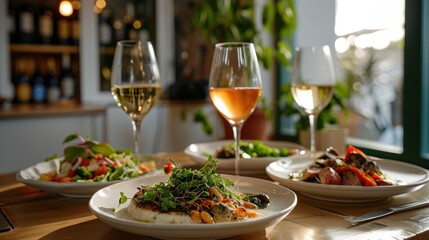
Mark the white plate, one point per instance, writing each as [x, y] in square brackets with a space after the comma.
[412, 178]
[200, 151]
[30, 177]
[102, 203]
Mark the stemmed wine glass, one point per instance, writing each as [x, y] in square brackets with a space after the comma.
[235, 86]
[312, 83]
[135, 82]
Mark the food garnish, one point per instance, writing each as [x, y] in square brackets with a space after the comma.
[196, 196]
[253, 149]
[354, 169]
[91, 161]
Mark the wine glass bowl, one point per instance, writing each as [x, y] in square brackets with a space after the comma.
[312, 83]
[135, 83]
[235, 86]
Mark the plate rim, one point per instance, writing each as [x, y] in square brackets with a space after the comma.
[276, 216]
[223, 165]
[87, 188]
[383, 191]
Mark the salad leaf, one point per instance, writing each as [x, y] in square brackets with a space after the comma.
[71, 153]
[71, 137]
[103, 148]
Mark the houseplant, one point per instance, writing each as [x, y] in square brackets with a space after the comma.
[229, 21]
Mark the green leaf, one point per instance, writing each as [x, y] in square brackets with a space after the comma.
[268, 16]
[103, 148]
[201, 117]
[71, 137]
[123, 199]
[71, 153]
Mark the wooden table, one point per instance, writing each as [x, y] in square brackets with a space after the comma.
[40, 215]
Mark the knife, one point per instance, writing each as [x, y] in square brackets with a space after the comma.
[5, 224]
[390, 210]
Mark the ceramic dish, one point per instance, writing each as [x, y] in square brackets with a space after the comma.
[103, 201]
[31, 175]
[200, 152]
[411, 178]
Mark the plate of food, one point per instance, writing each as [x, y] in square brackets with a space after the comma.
[86, 166]
[197, 204]
[256, 154]
[352, 178]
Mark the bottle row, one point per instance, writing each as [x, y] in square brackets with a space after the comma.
[41, 82]
[124, 23]
[40, 22]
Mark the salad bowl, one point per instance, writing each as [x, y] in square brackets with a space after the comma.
[30, 176]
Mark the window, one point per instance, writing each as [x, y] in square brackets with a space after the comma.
[370, 54]
[409, 141]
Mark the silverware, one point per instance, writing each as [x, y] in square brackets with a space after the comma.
[389, 210]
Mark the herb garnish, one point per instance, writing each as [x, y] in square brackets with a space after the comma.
[185, 190]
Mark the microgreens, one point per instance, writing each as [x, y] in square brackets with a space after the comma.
[184, 189]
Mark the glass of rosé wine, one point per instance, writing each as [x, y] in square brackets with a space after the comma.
[235, 86]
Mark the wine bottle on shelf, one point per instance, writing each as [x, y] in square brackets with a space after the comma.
[54, 92]
[39, 90]
[74, 28]
[131, 32]
[67, 82]
[12, 26]
[106, 30]
[22, 83]
[26, 25]
[63, 30]
[46, 24]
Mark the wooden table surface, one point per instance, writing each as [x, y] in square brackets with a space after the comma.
[40, 215]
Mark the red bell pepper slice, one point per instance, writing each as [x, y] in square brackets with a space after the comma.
[352, 150]
[364, 178]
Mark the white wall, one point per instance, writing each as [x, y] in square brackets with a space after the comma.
[163, 129]
[26, 141]
[316, 25]
[316, 21]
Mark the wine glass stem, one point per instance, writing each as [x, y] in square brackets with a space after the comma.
[136, 133]
[236, 129]
[312, 120]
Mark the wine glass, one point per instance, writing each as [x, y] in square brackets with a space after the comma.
[135, 82]
[312, 83]
[235, 85]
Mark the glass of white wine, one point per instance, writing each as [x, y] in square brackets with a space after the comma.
[235, 86]
[135, 82]
[312, 83]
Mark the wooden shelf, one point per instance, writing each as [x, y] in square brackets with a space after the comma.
[40, 48]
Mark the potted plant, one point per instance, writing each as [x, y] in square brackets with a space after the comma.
[329, 132]
[229, 21]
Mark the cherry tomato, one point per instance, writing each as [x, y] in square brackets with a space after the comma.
[71, 173]
[144, 169]
[101, 170]
[85, 162]
[168, 168]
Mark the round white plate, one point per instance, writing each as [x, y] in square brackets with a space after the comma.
[411, 178]
[30, 177]
[102, 203]
[200, 152]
